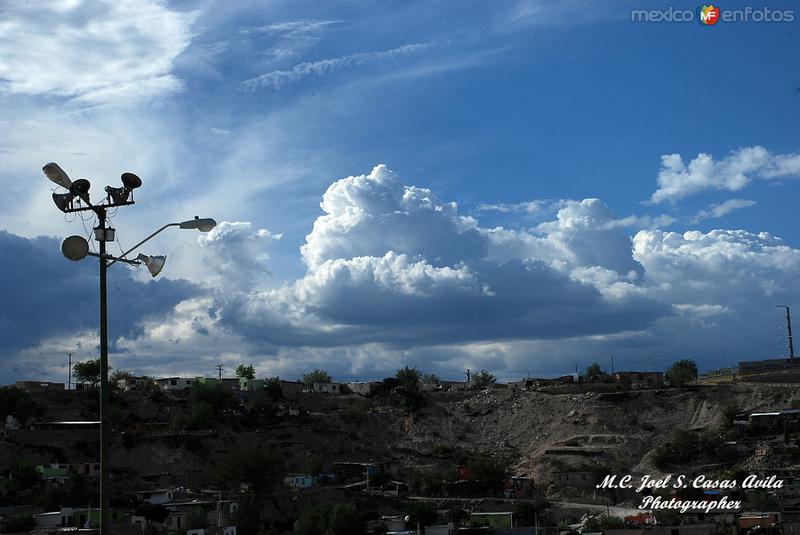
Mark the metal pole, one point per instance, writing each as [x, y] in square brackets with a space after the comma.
[69, 373]
[788, 330]
[105, 517]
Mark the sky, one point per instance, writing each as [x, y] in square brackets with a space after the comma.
[521, 186]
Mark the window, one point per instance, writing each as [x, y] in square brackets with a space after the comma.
[173, 382]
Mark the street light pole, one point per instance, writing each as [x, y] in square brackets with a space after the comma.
[77, 248]
[105, 513]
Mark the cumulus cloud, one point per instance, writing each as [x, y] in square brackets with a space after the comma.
[278, 79]
[236, 253]
[391, 263]
[677, 180]
[94, 51]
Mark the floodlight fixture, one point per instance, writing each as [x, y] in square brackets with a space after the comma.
[57, 175]
[118, 195]
[203, 225]
[63, 200]
[154, 263]
[75, 247]
[80, 188]
[131, 181]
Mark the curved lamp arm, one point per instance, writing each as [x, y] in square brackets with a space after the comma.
[203, 225]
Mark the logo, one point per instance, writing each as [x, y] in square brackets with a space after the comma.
[709, 15]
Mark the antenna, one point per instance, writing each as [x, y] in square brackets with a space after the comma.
[788, 330]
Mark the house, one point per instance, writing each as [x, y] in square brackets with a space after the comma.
[300, 481]
[227, 530]
[292, 389]
[574, 479]
[755, 519]
[328, 388]
[250, 385]
[229, 383]
[132, 382]
[155, 497]
[37, 386]
[518, 487]
[499, 520]
[75, 517]
[174, 383]
[639, 380]
[365, 389]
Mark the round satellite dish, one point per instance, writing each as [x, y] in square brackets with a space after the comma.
[75, 247]
[131, 181]
[80, 187]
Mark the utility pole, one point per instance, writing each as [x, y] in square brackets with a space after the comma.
[69, 372]
[219, 370]
[788, 330]
[612, 364]
[468, 375]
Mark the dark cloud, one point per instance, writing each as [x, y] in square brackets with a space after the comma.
[46, 295]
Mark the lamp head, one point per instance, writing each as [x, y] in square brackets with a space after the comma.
[131, 181]
[63, 200]
[80, 188]
[57, 175]
[203, 225]
[118, 195]
[154, 263]
[75, 247]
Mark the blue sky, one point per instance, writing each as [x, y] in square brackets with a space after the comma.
[521, 186]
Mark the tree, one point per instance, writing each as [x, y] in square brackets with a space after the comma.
[18, 403]
[19, 523]
[604, 522]
[430, 379]
[245, 371]
[87, 372]
[153, 514]
[593, 372]
[681, 372]
[259, 466]
[484, 378]
[316, 376]
[408, 387]
[408, 379]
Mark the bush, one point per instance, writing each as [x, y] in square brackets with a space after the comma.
[681, 372]
[19, 523]
[316, 376]
[484, 378]
[255, 464]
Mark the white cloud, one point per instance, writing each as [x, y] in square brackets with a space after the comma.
[278, 79]
[677, 180]
[93, 51]
[292, 37]
[717, 210]
[530, 207]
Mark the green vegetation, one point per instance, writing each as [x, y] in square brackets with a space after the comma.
[729, 411]
[255, 464]
[594, 372]
[207, 404]
[245, 371]
[18, 523]
[684, 446]
[430, 379]
[681, 372]
[153, 514]
[527, 512]
[342, 519]
[408, 380]
[604, 522]
[484, 378]
[87, 372]
[17, 402]
[316, 376]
